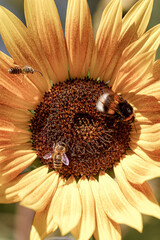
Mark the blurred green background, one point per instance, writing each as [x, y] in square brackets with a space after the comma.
[11, 214]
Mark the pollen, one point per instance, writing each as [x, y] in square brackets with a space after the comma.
[94, 141]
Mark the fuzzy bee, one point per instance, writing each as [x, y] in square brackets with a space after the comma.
[113, 104]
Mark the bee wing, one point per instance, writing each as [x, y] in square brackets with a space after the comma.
[65, 159]
[47, 156]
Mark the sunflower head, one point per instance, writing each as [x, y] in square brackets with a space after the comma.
[94, 140]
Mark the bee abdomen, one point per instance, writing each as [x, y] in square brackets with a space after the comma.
[57, 162]
[15, 70]
[57, 165]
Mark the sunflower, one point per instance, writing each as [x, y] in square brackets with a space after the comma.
[80, 167]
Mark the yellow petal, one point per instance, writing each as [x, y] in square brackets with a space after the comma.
[67, 205]
[137, 170]
[10, 134]
[43, 19]
[147, 118]
[14, 115]
[151, 156]
[139, 15]
[10, 192]
[147, 136]
[112, 68]
[18, 41]
[149, 128]
[86, 226]
[18, 117]
[38, 198]
[79, 37]
[13, 153]
[133, 73]
[8, 98]
[148, 145]
[43, 224]
[106, 38]
[140, 196]
[151, 91]
[146, 43]
[133, 26]
[144, 130]
[106, 228]
[116, 205]
[146, 101]
[156, 69]
[7, 143]
[8, 128]
[14, 166]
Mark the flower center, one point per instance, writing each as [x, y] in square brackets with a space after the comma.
[72, 136]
